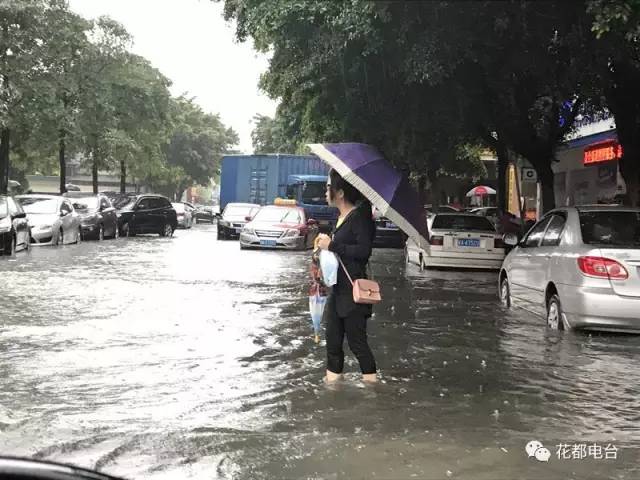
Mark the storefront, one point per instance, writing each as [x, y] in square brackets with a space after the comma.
[587, 171]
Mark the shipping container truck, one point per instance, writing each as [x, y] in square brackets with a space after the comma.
[263, 178]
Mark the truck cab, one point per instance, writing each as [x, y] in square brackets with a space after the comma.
[309, 192]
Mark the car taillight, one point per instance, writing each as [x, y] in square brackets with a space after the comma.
[601, 267]
[436, 240]
[498, 243]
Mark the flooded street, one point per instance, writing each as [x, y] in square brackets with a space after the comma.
[188, 358]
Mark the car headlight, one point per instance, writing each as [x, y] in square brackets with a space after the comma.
[292, 233]
[249, 231]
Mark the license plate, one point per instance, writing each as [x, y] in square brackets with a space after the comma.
[268, 243]
[469, 242]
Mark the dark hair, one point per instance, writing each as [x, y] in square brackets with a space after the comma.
[351, 193]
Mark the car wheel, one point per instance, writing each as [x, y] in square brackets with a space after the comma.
[505, 293]
[554, 314]
[101, 233]
[167, 231]
[10, 247]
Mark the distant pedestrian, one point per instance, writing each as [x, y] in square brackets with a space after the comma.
[352, 241]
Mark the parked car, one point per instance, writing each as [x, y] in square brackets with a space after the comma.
[234, 218]
[388, 235]
[280, 226]
[205, 214]
[578, 268]
[15, 233]
[52, 219]
[184, 211]
[98, 217]
[147, 214]
[491, 213]
[431, 210]
[458, 240]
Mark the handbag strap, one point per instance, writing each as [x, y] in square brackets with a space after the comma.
[345, 269]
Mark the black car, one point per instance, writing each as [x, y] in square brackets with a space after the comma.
[147, 214]
[388, 235]
[205, 214]
[98, 217]
[14, 227]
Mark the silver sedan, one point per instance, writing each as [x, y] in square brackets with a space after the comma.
[578, 268]
[52, 219]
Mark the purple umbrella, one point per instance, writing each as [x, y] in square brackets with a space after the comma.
[387, 189]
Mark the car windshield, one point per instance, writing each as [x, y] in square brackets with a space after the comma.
[462, 222]
[314, 193]
[121, 203]
[611, 228]
[36, 205]
[87, 203]
[4, 208]
[239, 211]
[278, 215]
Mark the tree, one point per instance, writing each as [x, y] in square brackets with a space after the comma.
[97, 116]
[617, 59]
[23, 33]
[196, 144]
[272, 135]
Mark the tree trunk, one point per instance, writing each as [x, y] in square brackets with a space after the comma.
[123, 176]
[546, 177]
[422, 189]
[5, 138]
[62, 146]
[630, 171]
[94, 174]
[503, 166]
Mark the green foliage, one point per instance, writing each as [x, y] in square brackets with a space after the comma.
[69, 86]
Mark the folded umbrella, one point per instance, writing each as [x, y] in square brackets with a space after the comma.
[387, 189]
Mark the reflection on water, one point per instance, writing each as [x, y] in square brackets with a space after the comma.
[187, 358]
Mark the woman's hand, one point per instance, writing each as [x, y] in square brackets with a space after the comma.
[324, 241]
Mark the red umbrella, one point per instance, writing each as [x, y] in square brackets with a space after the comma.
[480, 191]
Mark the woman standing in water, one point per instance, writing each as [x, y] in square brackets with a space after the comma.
[352, 242]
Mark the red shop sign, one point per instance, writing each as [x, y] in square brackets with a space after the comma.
[602, 152]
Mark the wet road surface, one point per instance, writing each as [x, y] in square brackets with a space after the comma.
[187, 358]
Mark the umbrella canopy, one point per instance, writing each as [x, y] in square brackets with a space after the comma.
[480, 191]
[387, 189]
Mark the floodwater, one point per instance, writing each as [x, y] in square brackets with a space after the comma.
[188, 358]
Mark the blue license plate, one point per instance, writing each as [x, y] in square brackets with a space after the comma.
[469, 242]
[268, 243]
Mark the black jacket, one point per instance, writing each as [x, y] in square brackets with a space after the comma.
[352, 242]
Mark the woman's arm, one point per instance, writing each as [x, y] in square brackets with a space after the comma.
[361, 250]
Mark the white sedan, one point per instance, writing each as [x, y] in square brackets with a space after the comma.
[52, 219]
[458, 240]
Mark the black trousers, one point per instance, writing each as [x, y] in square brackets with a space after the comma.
[354, 325]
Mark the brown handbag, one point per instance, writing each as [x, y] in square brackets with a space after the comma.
[365, 291]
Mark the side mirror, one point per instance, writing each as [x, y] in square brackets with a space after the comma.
[20, 215]
[248, 218]
[312, 222]
[510, 239]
